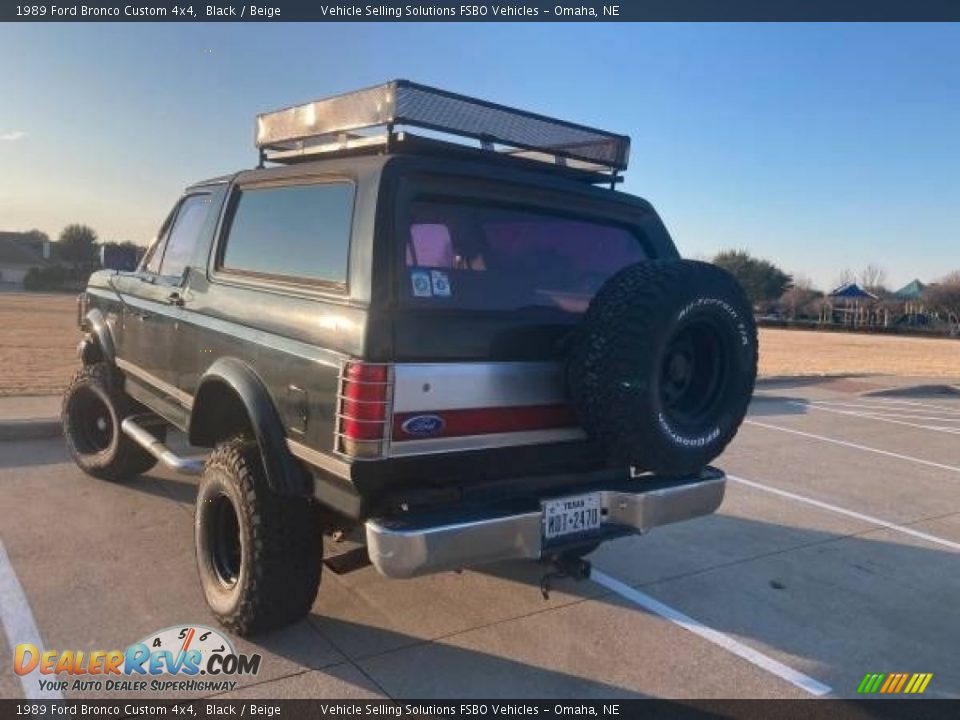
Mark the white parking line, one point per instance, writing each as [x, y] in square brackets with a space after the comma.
[895, 410]
[19, 626]
[855, 446]
[930, 406]
[765, 662]
[900, 413]
[952, 431]
[849, 513]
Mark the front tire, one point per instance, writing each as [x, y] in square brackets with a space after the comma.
[94, 406]
[259, 555]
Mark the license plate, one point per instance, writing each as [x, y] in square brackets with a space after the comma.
[571, 515]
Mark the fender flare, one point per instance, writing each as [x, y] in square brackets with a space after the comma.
[285, 475]
[100, 331]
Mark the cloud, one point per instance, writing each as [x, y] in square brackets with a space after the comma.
[13, 135]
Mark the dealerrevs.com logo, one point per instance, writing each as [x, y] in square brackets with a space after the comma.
[178, 658]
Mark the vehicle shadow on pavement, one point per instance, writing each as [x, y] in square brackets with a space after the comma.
[182, 492]
[33, 453]
[772, 405]
[442, 669]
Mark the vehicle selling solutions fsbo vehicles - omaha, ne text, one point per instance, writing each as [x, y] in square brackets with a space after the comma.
[454, 354]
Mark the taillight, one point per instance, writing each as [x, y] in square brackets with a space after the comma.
[364, 409]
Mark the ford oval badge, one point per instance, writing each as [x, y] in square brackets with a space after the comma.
[423, 425]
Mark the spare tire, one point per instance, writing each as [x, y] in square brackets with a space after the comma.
[662, 366]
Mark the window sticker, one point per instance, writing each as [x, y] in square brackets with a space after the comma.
[441, 283]
[421, 283]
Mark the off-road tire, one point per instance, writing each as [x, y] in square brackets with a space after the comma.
[662, 367]
[271, 578]
[94, 406]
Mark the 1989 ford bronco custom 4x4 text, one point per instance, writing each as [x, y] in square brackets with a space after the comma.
[469, 354]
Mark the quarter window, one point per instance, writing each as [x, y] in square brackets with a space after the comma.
[298, 231]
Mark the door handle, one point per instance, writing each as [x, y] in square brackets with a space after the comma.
[175, 298]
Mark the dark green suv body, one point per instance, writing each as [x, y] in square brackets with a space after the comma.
[471, 356]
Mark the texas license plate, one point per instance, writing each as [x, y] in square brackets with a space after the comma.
[571, 515]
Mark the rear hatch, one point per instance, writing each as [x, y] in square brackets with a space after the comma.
[490, 279]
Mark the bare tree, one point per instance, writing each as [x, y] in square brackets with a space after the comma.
[944, 298]
[802, 299]
[873, 278]
[846, 277]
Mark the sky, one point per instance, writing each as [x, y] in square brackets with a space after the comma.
[819, 147]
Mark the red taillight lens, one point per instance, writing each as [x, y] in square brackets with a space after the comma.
[364, 397]
[361, 373]
[363, 410]
[360, 430]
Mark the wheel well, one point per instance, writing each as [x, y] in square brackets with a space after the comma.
[218, 413]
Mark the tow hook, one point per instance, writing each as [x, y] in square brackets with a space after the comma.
[564, 566]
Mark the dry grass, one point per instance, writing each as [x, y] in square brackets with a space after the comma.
[38, 339]
[38, 335]
[801, 352]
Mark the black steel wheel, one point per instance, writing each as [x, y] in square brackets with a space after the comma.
[94, 405]
[259, 555]
[662, 367]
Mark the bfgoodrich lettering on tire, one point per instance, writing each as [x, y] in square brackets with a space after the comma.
[259, 555]
[662, 367]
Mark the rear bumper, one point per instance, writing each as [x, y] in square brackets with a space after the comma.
[408, 547]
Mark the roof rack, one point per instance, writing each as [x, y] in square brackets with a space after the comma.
[369, 119]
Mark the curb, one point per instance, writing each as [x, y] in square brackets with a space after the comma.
[30, 429]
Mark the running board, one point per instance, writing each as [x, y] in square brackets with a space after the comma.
[133, 427]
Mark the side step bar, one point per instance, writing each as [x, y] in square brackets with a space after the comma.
[134, 428]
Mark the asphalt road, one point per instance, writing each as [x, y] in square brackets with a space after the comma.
[835, 554]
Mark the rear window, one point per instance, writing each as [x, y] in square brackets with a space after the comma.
[496, 258]
[299, 231]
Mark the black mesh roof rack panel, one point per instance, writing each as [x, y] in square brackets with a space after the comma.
[345, 121]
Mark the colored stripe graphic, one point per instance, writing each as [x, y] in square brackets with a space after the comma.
[894, 683]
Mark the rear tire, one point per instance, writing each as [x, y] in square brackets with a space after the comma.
[259, 555]
[94, 406]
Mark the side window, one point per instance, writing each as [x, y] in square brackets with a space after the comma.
[298, 231]
[184, 235]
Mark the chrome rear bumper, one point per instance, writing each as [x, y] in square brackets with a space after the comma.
[408, 548]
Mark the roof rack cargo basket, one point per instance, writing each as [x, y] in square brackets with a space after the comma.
[350, 122]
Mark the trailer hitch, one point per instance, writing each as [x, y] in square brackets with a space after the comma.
[564, 566]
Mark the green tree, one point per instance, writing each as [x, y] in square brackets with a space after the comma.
[78, 245]
[761, 280]
[37, 236]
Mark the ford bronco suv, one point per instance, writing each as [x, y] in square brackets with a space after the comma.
[461, 346]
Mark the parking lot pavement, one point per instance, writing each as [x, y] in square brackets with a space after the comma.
[835, 556]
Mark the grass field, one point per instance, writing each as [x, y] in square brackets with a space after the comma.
[38, 335]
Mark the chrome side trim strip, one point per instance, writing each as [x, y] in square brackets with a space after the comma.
[185, 399]
[484, 442]
[464, 385]
[319, 459]
[287, 345]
